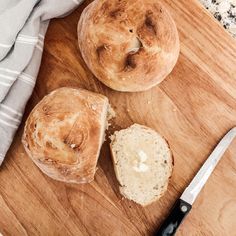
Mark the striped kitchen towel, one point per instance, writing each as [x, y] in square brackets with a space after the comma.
[23, 24]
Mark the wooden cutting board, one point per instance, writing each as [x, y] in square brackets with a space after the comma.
[193, 108]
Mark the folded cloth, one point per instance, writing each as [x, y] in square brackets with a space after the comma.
[23, 25]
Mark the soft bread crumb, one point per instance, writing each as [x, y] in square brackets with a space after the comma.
[142, 167]
[142, 162]
[142, 155]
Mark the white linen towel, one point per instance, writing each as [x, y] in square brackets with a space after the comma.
[23, 25]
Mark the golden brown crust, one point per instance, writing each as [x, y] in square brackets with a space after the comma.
[64, 132]
[128, 45]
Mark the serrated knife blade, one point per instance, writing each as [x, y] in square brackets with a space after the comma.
[183, 205]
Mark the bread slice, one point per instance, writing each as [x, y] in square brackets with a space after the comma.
[143, 163]
[64, 133]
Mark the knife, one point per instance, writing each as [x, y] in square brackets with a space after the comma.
[184, 204]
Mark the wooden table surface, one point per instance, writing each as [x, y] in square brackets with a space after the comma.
[193, 108]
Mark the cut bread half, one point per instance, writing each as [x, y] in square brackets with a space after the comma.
[143, 163]
[64, 133]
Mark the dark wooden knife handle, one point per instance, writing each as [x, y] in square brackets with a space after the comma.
[175, 218]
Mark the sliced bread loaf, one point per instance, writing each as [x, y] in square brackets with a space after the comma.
[143, 163]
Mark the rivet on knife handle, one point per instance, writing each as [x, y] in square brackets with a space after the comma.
[175, 218]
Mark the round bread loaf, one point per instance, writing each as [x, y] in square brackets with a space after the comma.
[128, 45]
[64, 133]
[143, 163]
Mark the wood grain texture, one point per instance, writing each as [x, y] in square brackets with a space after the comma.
[193, 108]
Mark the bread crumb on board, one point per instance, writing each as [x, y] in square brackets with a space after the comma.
[110, 115]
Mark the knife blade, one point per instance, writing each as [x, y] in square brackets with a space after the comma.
[184, 204]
